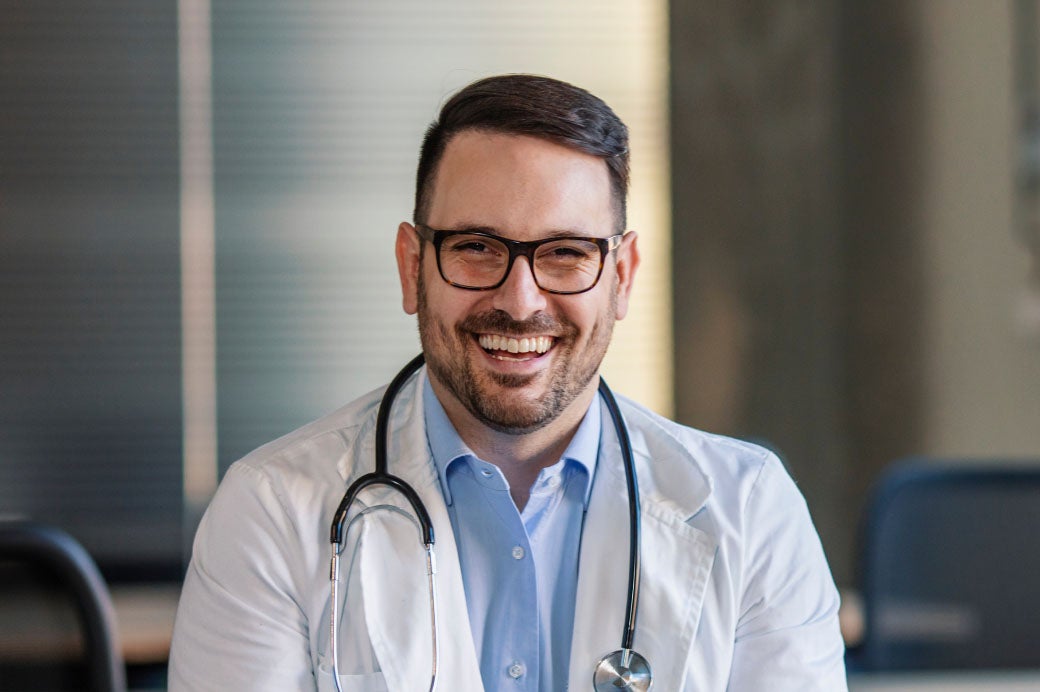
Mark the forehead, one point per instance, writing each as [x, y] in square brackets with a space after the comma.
[519, 185]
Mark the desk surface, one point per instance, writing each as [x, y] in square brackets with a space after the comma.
[967, 681]
[144, 615]
[34, 628]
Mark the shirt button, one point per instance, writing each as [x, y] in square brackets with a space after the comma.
[518, 554]
[516, 670]
[486, 472]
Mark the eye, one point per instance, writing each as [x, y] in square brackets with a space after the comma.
[474, 246]
[567, 252]
[470, 245]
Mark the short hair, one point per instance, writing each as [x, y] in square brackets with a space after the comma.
[521, 104]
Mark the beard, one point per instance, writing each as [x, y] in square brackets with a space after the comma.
[496, 399]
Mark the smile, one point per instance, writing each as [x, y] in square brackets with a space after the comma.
[532, 344]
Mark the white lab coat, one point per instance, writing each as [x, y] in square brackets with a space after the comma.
[736, 593]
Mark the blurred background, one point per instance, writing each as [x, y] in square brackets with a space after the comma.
[837, 203]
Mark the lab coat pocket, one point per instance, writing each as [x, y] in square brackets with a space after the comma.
[366, 682]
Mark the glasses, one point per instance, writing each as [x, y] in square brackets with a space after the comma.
[480, 261]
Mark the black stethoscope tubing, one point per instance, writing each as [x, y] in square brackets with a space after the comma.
[632, 607]
[381, 476]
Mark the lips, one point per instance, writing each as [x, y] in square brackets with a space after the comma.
[505, 339]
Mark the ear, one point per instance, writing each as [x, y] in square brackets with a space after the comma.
[407, 251]
[626, 266]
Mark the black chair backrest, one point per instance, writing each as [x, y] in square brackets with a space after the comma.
[61, 557]
[951, 568]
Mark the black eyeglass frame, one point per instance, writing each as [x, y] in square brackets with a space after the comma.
[518, 248]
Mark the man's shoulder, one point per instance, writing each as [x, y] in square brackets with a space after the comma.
[714, 452]
[320, 443]
[731, 468]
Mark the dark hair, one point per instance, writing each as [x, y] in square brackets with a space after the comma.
[520, 104]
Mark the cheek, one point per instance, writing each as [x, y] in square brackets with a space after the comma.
[439, 303]
[595, 315]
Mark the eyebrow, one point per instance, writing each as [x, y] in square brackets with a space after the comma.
[479, 228]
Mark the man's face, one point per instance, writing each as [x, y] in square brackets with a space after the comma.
[522, 188]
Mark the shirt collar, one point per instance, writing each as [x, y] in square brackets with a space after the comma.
[447, 447]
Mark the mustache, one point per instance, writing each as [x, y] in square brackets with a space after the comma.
[499, 322]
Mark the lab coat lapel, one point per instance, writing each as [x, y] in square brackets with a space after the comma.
[393, 572]
[676, 557]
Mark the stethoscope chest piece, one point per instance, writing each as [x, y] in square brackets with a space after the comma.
[622, 670]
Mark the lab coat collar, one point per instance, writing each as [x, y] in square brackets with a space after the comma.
[394, 585]
[676, 557]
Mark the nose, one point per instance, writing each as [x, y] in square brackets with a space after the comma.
[519, 295]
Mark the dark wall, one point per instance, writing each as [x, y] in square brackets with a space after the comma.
[90, 386]
[794, 251]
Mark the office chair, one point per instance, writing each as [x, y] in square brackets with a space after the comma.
[52, 556]
[950, 568]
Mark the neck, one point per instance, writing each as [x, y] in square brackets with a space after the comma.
[521, 457]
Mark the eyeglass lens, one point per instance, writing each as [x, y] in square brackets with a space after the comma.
[566, 265]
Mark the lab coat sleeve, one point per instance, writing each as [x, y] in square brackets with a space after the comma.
[239, 625]
[787, 636]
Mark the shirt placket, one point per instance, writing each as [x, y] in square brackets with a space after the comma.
[516, 658]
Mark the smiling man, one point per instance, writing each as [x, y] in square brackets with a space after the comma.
[517, 264]
[514, 365]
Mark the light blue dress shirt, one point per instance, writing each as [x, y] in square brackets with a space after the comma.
[519, 569]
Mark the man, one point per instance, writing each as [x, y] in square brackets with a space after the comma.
[511, 449]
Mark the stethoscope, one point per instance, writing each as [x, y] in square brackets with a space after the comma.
[624, 669]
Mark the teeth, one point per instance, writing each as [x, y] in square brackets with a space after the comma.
[536, 344]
